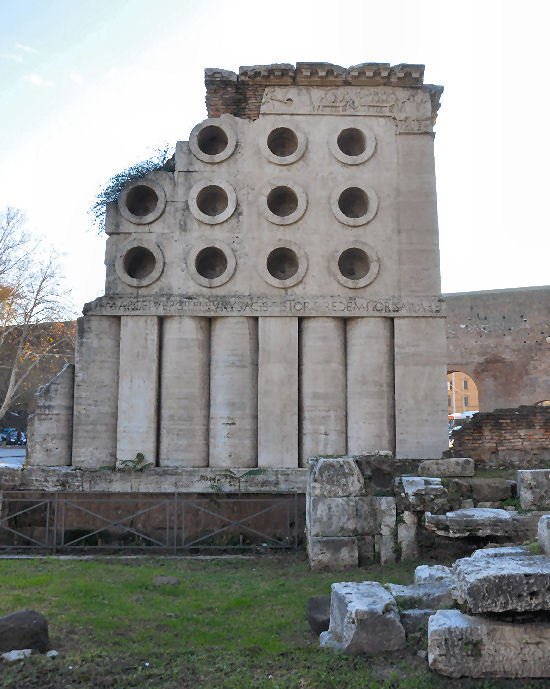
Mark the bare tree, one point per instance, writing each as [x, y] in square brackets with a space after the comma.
[32, 305]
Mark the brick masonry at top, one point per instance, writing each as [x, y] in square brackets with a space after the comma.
[241, 94]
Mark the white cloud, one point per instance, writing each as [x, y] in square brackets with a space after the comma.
[76, 77]
[25, 48]
[37, 80]
[13, 56]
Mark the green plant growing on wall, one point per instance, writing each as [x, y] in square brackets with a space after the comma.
[136, 464]
[110, 192]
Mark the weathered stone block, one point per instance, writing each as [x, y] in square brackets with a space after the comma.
[472, 522]
[425, 574]
[505, 551]
[335, 477]
[385, 515]
[429, 595]
[422, 493]
[350, 516]
[318, 613]
[517, 583]
[24, 629]
[363, 619]
[534, 489]
[406, 536]
[333, 554]
[455, 466]
[464, 646]
[384, 547]
[543, 533]
[491, 489]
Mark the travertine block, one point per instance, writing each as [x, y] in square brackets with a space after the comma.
[278, 392]
[406, 536]
[363, 620]
[51, 425]
[384, 547]
[234, 392]
[96, 380]
[185, 394]
[138, 387]
[454, 466]
[424, 574]
[463, 646]
[420, 406]
[332, 554]
[323, 388]
[334, 477]
[543, 533]
[472, 522]
[534, 489]
[352, 516]
[370, 392]
[503, 584]
[429, 595]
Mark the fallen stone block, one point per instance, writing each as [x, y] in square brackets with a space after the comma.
[24, 629]
[464, 646]
[415, 621]
[425, 574]
[514, 584]
[472, 522]
[318, 613]
[543, 533]
[504, 551]
[421, 493]
[363, 619]
[333, 554]
[334, 477]
[434, 595]
[454, 466]
[534, 489]
[351, 516]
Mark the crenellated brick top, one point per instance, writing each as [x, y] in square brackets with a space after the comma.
[241, 94]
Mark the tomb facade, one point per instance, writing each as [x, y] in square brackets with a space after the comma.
[277, 294]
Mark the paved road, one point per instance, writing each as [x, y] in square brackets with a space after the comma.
[12, 456]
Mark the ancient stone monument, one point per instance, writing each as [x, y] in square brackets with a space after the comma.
[277, 295]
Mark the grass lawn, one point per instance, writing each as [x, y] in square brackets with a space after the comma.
[227, 623]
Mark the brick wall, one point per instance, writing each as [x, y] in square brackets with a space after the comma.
[507, 438]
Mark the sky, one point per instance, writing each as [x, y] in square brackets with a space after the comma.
[90, 87]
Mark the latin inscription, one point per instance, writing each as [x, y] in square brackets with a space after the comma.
[173, 305]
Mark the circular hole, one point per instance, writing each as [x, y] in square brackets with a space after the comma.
[282, 201]
[211, 263]
[282, 263]
[352, 142]
[212, 200]
[141, 200]
[212, 140]
[282, 142]
[353, 202]
[354, 263]
[139, 262]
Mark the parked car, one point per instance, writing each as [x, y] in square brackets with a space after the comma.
[4, 432]
[16, 438]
